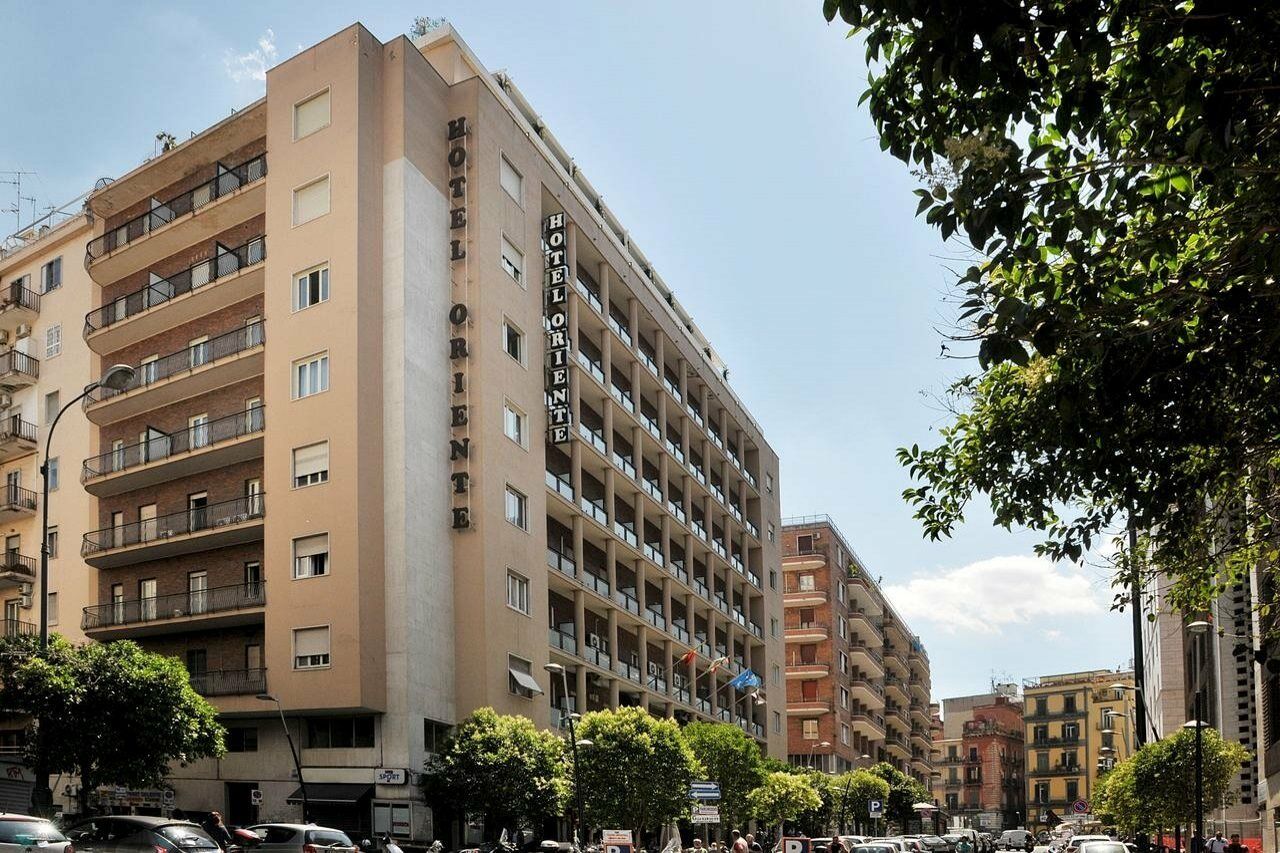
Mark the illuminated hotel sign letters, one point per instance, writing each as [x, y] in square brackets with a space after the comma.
[459, 409]
[556, 306]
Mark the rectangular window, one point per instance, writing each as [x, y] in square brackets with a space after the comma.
[1069, 703]
[517, 509]
[53, 474]
[52, 405]
[198, 351]
[777, 721]
[311, 464]
[771, 533]
[53, 541]
[340, 733]
[513, 424]
[806, 583]
[773, 626]
[804, 544]
[1070, 731]
[513, 340]
[520, 680]
[1073, 790]
[809, 729]
[310, 288]
[844, 733]
[777, 675]
[510, 179]
[311, 115]
[1042, 706]
[53, 340]
[242, 739]
[311, 647]
[311, 201]
[517, 592]
[53, 608]
[310, 376]
[311, 556]
[513, 261]
[51, 275]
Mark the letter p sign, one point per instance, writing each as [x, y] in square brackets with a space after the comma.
[795, 845]
[617, 848]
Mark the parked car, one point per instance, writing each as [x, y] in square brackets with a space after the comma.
[875, 846]
[1102, 847]
[932, 843]
[1075, 842]
[19, 833]
[301, 838]
[139, 834]
[1016, 839]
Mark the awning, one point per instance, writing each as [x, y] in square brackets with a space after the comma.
[344, 793]
[525, 680]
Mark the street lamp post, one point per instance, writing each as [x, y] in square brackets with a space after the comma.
[297, 765]
[1199, 725]
[813, 746]
[553, 669]
[117, 378]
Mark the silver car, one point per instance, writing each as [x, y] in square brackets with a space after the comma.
[23, 834]
[301, 838]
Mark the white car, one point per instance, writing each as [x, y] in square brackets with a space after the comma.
[20, 833]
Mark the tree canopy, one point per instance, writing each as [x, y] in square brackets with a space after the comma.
[852, 795]
[1111, 168]
[783, 797]
[904, 792]
[84, 698]
[731, 758]
[502, 766]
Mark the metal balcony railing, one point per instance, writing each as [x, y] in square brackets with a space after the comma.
[12, 361]
[14, 427]
[192, 278]
[18, 628]
[218, 599]
[15, 563]
[161, 447]
[162, 214]
[17, 498]
[229, 682]
[194, 520]
[197, 355]
[18, 296]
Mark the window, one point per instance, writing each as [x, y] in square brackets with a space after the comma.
[806, 583]
[1040, 734]
[1073, 790]
[510, 179]
[844, 663]
[52, 404]
[311, 464]
[435, 735]
[310, 376]
[844, 697]
[520, 680]
[514, 424]
[310, 288]
[311, 201]
[844, 733]
[809, 691]
[773, 626]
[804, 544]
[1070, 731]
[1042, 761]
[311, 647]
[517, 592]
[1042, 706]
[809, 729]
[777, 675]
[1069, 703]
[513, 261]
[777, 721]
[340, 732]
[973, 753]
[53, 474]
[1042, 792]
[311, 556]
[198, 351]
[242, 739]
[311, 115]
[517, 509]
[53, 608]
[51, 275]
[53, 541]
[53, 340]
[773, 579]
[1069, 758]
[513, 340]
[770, 535]
[768, 482]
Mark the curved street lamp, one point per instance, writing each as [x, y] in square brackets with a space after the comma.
[302, 783]
[558, 669]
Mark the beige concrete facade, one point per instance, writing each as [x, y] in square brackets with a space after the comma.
[329, 480]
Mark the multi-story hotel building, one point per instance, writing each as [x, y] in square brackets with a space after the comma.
[979, 751]
[1077, 725]
[857, 678]
[452, 427]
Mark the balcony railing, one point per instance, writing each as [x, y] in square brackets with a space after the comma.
[17, 499]
[194, 520]
[14, 563]
[218, 599]
[560, 483]
[230, 682]
[18, 628]
[14, 428]
[18, 296]
[19, 364]
[194, 277]
[191, 357]
[162, 214]
[162, 447]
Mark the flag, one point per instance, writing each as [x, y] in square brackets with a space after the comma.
[717, 663]
[745, 680]
[687, 657]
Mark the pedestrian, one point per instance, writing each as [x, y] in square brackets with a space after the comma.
[754, 845]
[739, 843]
[1197, 843]
[1218, 844]
[218, 830]
[963, 845]
[389, 844]
[697, 846]
[1235, 846]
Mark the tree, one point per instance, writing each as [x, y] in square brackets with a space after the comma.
[904, 792]
[1112, 169]
[731, 759]
[636, 772]
[503, 767]
[783, 797]
[853, 793]
[86, 698]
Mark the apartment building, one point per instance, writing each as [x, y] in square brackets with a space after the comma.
[451, 429]
[857, 679]
[1077, 725]
[981, 780]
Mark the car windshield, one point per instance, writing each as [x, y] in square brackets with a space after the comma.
[328, 838]
[187, 836]
[27, 832]
[1103, 847]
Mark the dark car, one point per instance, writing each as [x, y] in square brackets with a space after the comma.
[139, 834]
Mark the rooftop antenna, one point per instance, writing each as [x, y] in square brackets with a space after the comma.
[14, 180]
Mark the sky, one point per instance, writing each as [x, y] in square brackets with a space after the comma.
[733, 150]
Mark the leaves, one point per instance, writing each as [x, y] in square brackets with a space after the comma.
[731, 758]
[783, 797]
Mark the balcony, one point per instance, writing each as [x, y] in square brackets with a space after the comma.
[187, 532]
[17, 568]
[1056, 770]
[809, 707]
[188, 295]
[814, 669]
[198, 610]
[17, 437]
[868, 725]
[230, 682]
[18, 370]
[18, 628]
[16, 503]
[168, 456]
[197, 369]
[811, 633]
[18, 304]
[804, 597]
[194, 216]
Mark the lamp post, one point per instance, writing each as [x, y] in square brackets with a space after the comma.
[554, 669]
[1199, 628]
[813, 746]
[117, 378]
[302, 783]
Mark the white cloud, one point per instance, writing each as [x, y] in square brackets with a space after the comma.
[989, 595]
[1053, 634]
[253, 65]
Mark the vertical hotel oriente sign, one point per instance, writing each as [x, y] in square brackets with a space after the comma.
[556, 308]
[459, 314]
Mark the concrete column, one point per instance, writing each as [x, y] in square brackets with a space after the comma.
[580, 619]
[607, 418]
[633, 321]
[610, 565]
[575, 448]
[606, 355]
[608, 493]
[615, 688]
[580, 685]
[637, 447]
[578, 556]
[603, 274]
[642, 647]
[615, 648]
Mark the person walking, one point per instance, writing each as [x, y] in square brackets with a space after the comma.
[1235, 846]
[1218, 844]
[753, 845]
[218, 830]
[964, 845]
[739, 843]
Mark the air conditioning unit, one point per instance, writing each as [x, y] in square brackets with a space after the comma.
[25, 588]
[593, 640]
[6, 400]
[25, 602]
[24, 330]
[654, 668]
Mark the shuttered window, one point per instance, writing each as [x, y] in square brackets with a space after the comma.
[311, 115]
[310, 647]
[311, 556]
[311, 201]
[311, 464]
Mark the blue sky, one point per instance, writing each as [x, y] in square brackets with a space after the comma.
[733, 149]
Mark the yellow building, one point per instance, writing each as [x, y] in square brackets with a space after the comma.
[1078, 724]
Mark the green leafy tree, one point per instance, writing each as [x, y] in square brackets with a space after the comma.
[87, 698]
[503, 767]
[783, 797]
[817, 820]
[904, 792]
[730, 758]
[636, 772]
[852, 794]
[1112, 169]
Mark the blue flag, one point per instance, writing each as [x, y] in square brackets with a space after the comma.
[745, 680]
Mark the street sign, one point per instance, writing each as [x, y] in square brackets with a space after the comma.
[704, 790]
[390, 776]
[616, 836]
[795, 845]
[705, 814]
[617, 848]
[1080, 807]
[168, 797]
[876, 808]
[255, 797]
